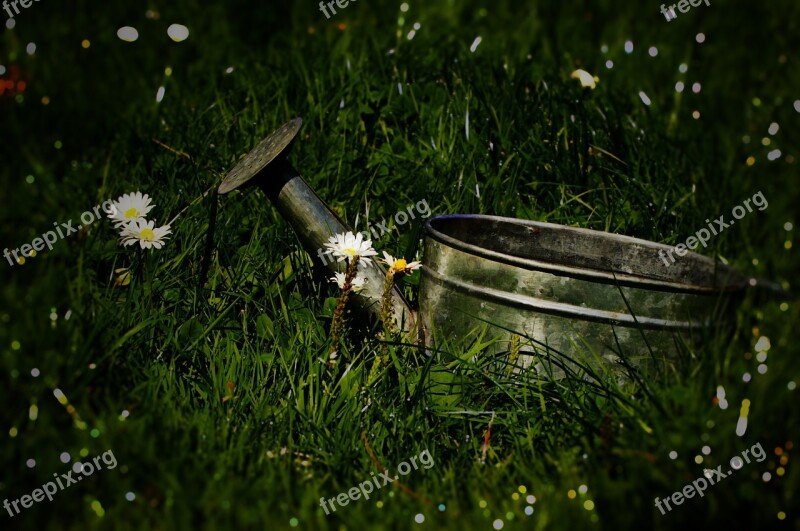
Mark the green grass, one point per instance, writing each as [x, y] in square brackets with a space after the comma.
[219, 377]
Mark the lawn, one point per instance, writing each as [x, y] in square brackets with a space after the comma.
[197, 371]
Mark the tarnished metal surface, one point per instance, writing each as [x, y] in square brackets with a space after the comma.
[575, 290]
[267, 167]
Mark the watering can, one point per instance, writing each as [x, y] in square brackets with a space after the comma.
[560, 289]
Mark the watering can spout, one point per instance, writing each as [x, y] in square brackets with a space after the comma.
[267, 166]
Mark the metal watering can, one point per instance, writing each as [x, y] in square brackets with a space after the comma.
[562, 289]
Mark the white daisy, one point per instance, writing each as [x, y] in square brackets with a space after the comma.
[349, 245]
[130, 207]
[357, 284]
[399, 265]
[145, 233]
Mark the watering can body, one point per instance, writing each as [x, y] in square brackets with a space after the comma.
[571, 295]
[576, 297]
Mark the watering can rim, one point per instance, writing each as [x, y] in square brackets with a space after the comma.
[732, 279]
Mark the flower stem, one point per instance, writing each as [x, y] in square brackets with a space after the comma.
[387, 308]
[376, 368]
[338, 314]
[387, 314]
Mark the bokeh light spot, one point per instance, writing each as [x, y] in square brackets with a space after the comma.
[178, 32]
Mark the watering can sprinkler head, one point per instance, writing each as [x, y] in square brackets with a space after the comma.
[267, 166]
[269, 157]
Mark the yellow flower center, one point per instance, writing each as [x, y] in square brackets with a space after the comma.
[400, 264]
[350, 251]
[131, 213]
[148, 235]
